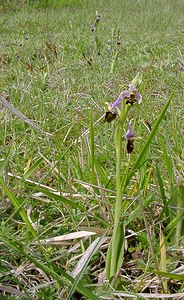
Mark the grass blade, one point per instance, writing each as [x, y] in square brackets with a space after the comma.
[20, 115]
[92, 148]
[148, 142]
[18, 206]
[33, 168]
[65, 200]
[163, 195]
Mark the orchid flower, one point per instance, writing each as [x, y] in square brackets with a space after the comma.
[129, 136]
[131, 96]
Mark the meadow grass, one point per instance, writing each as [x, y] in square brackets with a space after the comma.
[62, 179]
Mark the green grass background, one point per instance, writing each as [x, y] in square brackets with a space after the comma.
[45, 76]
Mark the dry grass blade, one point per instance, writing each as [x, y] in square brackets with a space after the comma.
[13, 291]
[146, 296]
[20, 115]
[87, 255]
[179, 270]
[66, 237]
[84, 261]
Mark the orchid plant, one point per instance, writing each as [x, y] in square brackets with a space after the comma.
[120, 107]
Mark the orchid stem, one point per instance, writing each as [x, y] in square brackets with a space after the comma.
[116, 248]
[118, 144]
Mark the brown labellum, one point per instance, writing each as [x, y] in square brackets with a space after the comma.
[130, 146]
[109, 116]
[131, 99]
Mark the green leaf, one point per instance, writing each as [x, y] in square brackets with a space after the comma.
[115, 252]
[139, 160]
[167, 160]
[169, 275]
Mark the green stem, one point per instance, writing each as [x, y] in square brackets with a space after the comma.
[118, 173]
[118, 144]
[114, 59]
[116, 248]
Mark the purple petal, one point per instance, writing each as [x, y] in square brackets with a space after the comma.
[122, 96]
[132, 87]
[129, 134]
[138, 96]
